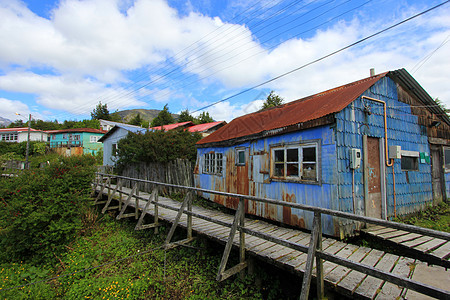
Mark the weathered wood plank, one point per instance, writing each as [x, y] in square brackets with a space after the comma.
[405, 238]
[417, 242]
[403, 268]
[430, 245]
[369, 287]
[352, 281]
[345, 252]
[442, 251]
[392, 234]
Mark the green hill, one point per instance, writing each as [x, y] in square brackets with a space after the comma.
[146, 114]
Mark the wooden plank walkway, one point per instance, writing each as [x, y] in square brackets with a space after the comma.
[431, 250]
[341, 279]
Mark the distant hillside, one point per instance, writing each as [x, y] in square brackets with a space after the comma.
[146, 114]
[4, 122]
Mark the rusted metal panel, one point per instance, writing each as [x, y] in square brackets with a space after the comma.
[296, 112]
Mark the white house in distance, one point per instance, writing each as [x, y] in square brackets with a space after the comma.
[17, 135]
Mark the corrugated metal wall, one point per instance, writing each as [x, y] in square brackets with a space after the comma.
[362, 117]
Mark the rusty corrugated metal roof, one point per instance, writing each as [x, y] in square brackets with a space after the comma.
[90, 130]
[172, 126]
[19, 129]
[295, 112]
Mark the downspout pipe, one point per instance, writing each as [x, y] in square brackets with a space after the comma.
[389, 163]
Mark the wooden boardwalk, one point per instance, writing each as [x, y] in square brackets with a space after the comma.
[432, 250]
[341, 279]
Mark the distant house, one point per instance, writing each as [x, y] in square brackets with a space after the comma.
[17, 135]
[108, 125]
[76, 141]
[112, 137]
[377, 147]
[206, 128]
[182, 125]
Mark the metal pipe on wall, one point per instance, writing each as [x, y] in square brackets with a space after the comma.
[391, 162]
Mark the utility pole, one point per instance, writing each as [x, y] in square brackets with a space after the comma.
[28, 142]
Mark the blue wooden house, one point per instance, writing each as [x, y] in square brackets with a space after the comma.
[378, 147]
[112, 138]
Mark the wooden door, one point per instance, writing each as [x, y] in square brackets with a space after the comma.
[374, 178]
[437, 173]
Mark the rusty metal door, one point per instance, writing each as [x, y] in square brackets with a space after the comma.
[437, 173]
[374, 178]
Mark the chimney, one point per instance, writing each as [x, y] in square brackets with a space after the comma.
[372, 72]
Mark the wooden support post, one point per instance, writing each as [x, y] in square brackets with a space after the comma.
[121, 214]
[151, 199]
[167, 243]
[156, 210]
[120, 194]
[242, 235]
[319, 261]
[110, 197]
[100, 193]
[310, 258]
[95, 185]
[189, 217]
[222, 274]
[136, 208]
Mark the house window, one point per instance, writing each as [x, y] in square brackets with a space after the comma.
[447, 159]
[94, 138]
[76, 137]
[213, 163]
[65, 136]
[240, 157]
[295, 162]
[410, 161]
[114, 149]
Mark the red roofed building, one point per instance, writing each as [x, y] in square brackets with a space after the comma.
[17, 135]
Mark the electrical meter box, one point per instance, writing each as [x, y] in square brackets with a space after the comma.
[355, 158]
[395, 152]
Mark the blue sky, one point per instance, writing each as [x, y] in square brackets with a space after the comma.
[59, 58]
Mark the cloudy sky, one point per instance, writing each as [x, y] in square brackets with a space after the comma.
[59, 58]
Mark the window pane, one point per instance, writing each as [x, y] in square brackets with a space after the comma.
[292, 155]
[241, 157]
[292, 170]
[309, 171]
[447, 158]
[279, 170]
[309, 154]
[410, 163]
[279, 155]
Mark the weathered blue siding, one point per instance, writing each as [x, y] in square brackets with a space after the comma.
[361, 117]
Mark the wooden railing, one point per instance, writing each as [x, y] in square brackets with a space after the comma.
[313, 250]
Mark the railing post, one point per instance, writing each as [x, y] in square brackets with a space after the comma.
[189, 216]
[156, 217]
[242, 235]
[136, 208]
[319, 261]
[310, 257]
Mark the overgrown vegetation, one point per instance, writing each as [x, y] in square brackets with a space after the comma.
[56, 246]
[157, 146]
[41, 209]
[435, 217]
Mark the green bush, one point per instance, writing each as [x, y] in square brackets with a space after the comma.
[40, 210]
[157, 146]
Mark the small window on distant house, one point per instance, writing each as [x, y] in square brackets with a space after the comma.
[94, 138]
[213, 163]
[114, 149]
[410, 161]
[76, 137]
[240, 157]
[296, 162]
[447, 159]
[65, 136]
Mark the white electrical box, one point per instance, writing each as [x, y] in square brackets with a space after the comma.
[395, 152]
[355, 158]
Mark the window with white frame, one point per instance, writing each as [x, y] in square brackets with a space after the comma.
[447, 159]
[213, 163]
[410, 161]
[94, 138]
[295, 162]
[76, 137]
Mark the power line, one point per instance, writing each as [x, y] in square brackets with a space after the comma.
[324, 57]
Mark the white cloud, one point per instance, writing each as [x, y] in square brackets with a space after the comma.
[11, 107]
[74, 95]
